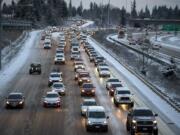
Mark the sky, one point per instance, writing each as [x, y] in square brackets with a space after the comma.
[119, 3]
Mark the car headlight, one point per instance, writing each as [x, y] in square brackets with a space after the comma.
[50, 80]
[93, 91]
[20, 102]
[134, 121]
[7, 102]
[82, 90]
[112, 90]
[155, 122]
[89, 122]
[45, 101]
[80, 80]
[84, 110]
[105, 122]
[88, 80]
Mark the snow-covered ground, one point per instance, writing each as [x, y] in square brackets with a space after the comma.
[88, 24]
[10, 70]
[140, 87]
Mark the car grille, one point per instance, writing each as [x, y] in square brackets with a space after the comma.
[144, 122]
[125, 98]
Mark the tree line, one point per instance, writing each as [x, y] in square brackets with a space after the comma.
[54, 11]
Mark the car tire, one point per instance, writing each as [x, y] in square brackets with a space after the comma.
[127, 126]
[155, 132]
[87, 129]
[30, 72]
[132, 132]
[115, 103]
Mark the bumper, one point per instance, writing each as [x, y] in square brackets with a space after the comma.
[16, 105]
[104, 75]
[145, 129]
[51, 104]
[97, 127]
[59, 62]
[87, 93]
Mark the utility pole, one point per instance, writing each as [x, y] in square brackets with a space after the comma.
[108, 14]
[0, 31]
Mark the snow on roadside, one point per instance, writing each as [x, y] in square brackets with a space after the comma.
[159, 103]
[87, 24]
[10, 70]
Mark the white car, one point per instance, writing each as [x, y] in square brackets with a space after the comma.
[75, 55]
[102, 65]
[86, 103]
[104, 72]
[47, 44]
[54, 77]
[96, 119]
[122, 95]
[59, 58]
[58, 87]
[79, 65]
[52, 99]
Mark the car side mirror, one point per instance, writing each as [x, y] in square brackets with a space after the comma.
[156, 115]
[129, 114]
[107, 117]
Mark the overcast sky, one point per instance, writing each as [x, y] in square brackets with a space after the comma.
[120, 3]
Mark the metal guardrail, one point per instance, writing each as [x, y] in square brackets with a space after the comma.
[159, 92]
[16, 23]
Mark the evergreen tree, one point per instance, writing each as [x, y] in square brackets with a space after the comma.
[147, 12]
[80, 9]
[133, 9]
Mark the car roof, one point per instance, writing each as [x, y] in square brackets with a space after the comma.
[122, 88]
[96, 108]
[52, 92]
[89, 100]
[15, 93]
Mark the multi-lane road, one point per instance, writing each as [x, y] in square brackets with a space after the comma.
[34, 119]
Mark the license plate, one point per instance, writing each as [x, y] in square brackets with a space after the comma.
[97, 126]
[144, 129]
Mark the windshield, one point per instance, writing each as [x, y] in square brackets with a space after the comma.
[84, 75]
[123, 92]
[58, 85]
[15, 96]
[97, 115]
[55, 75]
[75, 53]
[142, 113]
[88, 86]
[116, 85]
[52, 95]
[105, 69]
[89, 103]
[113, 80]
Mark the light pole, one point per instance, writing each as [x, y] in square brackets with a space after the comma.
[109, 14]
[0, 31]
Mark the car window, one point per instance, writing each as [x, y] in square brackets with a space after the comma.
[57, 85]
[142, 113]
[97, 115]
[123, 92]
[89, 103]
[116, 85]
[52, 95]
[15, 96]
[88, 86]
[55, 75]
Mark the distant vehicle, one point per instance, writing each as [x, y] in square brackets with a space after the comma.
[168, 71]
[87, 89]
[78, 70]
[104, 72]
[98, 59]
[75, 55]
[86, 103]
[110, 81]
[54, 77]
[141, 120]
[132, 42]
[102, 65]
[121, 34]
[113, 87]
[58, 87]
[83, 77]
[123, 96]
[59, 58]
[52, 99]
[35, 68]
[78, 65]
[96, 119]
[47, 43]
[15, 100]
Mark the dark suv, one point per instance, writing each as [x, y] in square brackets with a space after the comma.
[35, 68]
[15, 100]
[141, 120]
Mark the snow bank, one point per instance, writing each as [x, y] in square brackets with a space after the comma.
[12, 68]
[87, 24]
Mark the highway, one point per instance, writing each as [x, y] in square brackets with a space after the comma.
[34, 119]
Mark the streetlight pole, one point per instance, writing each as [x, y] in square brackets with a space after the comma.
[0, 32]
[108, 14]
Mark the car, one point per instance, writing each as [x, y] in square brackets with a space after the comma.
[60, 51]
[35, 68]
[58, 87]
[77, 60]
[96, 119]
[92, 57]
[15, 100]
[77, 72]
[54, 77]
[87, 89]
[104, 72]
[114, 86]
[78, 65]
[83, 77]
[141, 120]
[98, 59]
[110, 81]
[102, 65]
[86, 103]
[122, 95]
[47, 43]
[75, 55]
[59, 58]
[52, 99]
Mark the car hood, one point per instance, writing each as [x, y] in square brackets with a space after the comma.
[97, 120]
[55, 78]
[51, 99]
[140, 118]
[58, 89]
[85, 78]
[123, 95]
